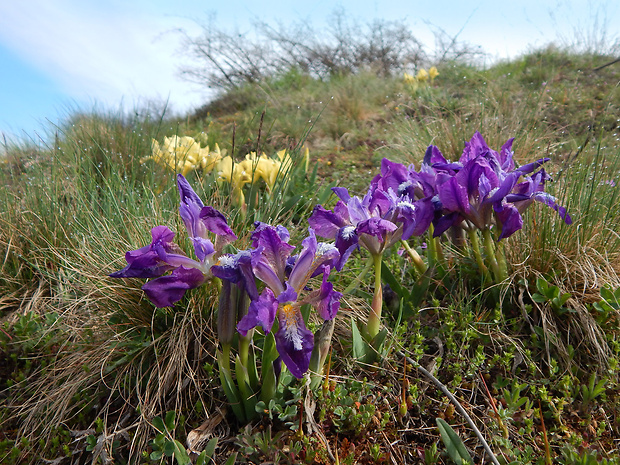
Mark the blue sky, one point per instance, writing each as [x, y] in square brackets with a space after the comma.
[59, 55]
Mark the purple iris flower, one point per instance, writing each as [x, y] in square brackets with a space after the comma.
[481, 189]
[163, 255]
[532, 189]
[286, 292]
[386, 214]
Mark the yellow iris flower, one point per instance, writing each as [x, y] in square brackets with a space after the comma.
[422, 78]
[433, 73]
[236, 175]
[422, 75]
[183, 154]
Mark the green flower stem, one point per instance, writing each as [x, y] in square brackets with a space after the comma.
[439, 250]
[435, 252]
[225, 361]
[475, 247]
[415, 258]
[268, 376]
[374, 319]
[501, 260]
[244, 347]
[432, 253]
[226, 314]
[356, 282]
[489, 248]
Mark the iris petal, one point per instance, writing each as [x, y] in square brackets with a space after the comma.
[294, 341]
[326, 223]
[262, 312]
[147, 262]
[165, 291]
[453, 196]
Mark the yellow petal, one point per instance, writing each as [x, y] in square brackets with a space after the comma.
[422, 75]
[224, 168]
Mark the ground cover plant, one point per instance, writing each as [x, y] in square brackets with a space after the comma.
[412, 266]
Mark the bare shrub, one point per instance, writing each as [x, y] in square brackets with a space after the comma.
[226, 60]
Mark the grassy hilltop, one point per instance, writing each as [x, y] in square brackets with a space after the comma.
[91, 370]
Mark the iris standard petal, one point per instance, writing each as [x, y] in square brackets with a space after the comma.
[357, 211]
[311, 260]
[433, 157]
[453, 196]
[186, 192]
[281, 231]
[342, 211]
[190, 208]
[505, 156]
[302, 270]
[377, 227]
[342, 193]
[274, 250]
[380, 202]
[484, 187]
[265, 271]
[215, 222]
[476, 147]
[199, 220]
[392, 175]
[473, 174]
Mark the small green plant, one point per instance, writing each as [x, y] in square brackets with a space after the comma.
[285, 412]
[548, 293]
[569, 456]
[431, 455]
[514, 399]
[591, 391]
[609, 305]
[255, 446]
[165, 444]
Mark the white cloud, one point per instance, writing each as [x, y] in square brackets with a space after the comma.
[97, 52]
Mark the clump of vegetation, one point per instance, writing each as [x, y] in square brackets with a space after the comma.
[487, 329]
